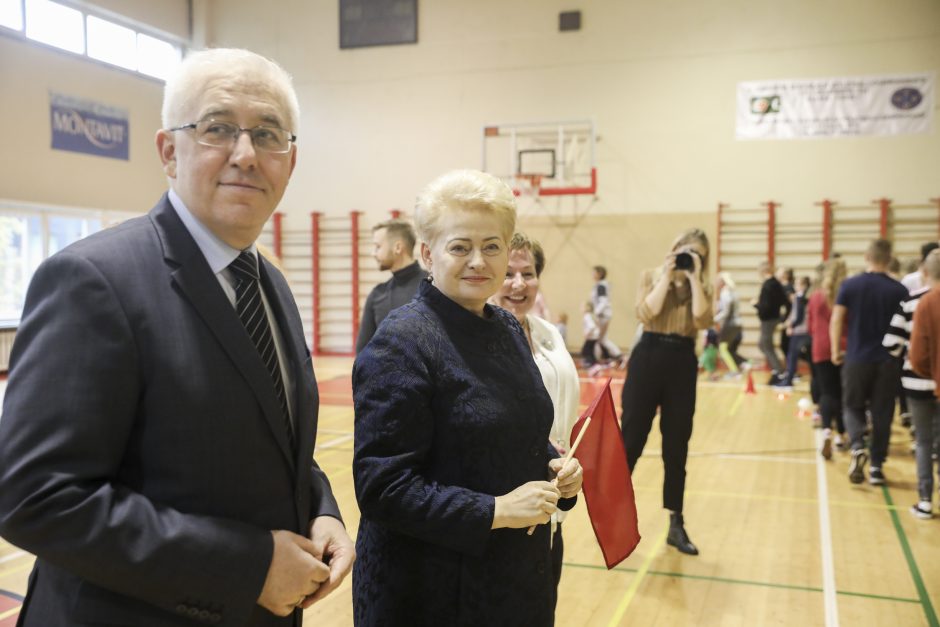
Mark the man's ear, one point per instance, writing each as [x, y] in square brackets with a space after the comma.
[166, 148]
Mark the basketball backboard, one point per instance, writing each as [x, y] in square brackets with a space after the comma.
[543, 158]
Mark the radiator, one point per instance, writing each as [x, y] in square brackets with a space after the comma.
[6, 345]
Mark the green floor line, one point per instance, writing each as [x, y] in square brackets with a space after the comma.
[911, 564]
[745, 582]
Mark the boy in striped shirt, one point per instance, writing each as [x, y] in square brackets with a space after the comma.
[921, 398]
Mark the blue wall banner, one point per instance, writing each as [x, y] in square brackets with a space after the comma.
[85, 126]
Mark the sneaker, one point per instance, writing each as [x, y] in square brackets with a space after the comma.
[840, 441]
[857, 467]
[875, 476]
[923, 510]
[826, 450]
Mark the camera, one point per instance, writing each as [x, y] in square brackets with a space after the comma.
[684, 261]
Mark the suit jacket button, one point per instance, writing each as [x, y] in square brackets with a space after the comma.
[204, 615]
[181, 608]
[193, 612]
[215, 617]
[535, 451]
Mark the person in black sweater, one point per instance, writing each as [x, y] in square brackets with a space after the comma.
[769, 305]
[394, 242]
[785, 276]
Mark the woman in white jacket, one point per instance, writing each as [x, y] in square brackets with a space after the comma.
[559, 373]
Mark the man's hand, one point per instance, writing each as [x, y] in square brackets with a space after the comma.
[336, 549]
[295, 573]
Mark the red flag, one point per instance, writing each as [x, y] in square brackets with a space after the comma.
[607, 487]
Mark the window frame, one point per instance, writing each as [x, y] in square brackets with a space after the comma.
[87, 9]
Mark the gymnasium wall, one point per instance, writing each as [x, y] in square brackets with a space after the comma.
[658, 78]
[34, 172]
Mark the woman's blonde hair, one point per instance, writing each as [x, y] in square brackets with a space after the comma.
[464, 190]
[833, 275]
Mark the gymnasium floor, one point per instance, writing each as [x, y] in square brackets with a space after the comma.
[785, 539]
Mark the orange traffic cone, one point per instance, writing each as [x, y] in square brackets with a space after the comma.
[750, 384]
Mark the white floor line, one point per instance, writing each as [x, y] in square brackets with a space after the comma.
[335, 441]
[13, 556]
[765, 458]
[739, 457]
[825, 539]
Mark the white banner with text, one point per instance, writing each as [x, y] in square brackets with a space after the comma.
[835, 107]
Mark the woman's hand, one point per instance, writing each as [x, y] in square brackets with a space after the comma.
[532, 503]
[669, 266]
[568, 477]
[696, 272]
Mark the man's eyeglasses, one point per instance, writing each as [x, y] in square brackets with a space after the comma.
[224, 135]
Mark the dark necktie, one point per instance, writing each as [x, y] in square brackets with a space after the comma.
[251, 310]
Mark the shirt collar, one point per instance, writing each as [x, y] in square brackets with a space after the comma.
[406, 273]
[217, 253]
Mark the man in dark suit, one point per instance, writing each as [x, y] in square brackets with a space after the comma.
[160, 416]
[394, 243]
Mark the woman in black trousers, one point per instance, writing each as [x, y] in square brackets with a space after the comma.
[674, 302]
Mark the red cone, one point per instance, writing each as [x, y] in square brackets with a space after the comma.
[750, 384]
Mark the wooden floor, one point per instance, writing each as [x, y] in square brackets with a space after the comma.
[785, 539]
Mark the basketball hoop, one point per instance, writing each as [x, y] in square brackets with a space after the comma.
[532, 184]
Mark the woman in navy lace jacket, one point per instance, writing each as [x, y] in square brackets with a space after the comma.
[452, 456]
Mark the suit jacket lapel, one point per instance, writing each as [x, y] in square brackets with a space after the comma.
[191, 273]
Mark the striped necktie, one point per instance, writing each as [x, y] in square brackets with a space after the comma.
[251, 311]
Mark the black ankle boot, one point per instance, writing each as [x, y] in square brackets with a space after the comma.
[678, 537]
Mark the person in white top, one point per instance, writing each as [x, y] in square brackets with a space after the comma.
[915, 280]
[603, 314]
[559, 373]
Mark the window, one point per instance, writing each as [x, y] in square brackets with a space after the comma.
[112, 43]
[158, 58]
[29, 235]
[20, 254]
[55, 24]
[63, 230]
[11, 14]
[118, 41]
